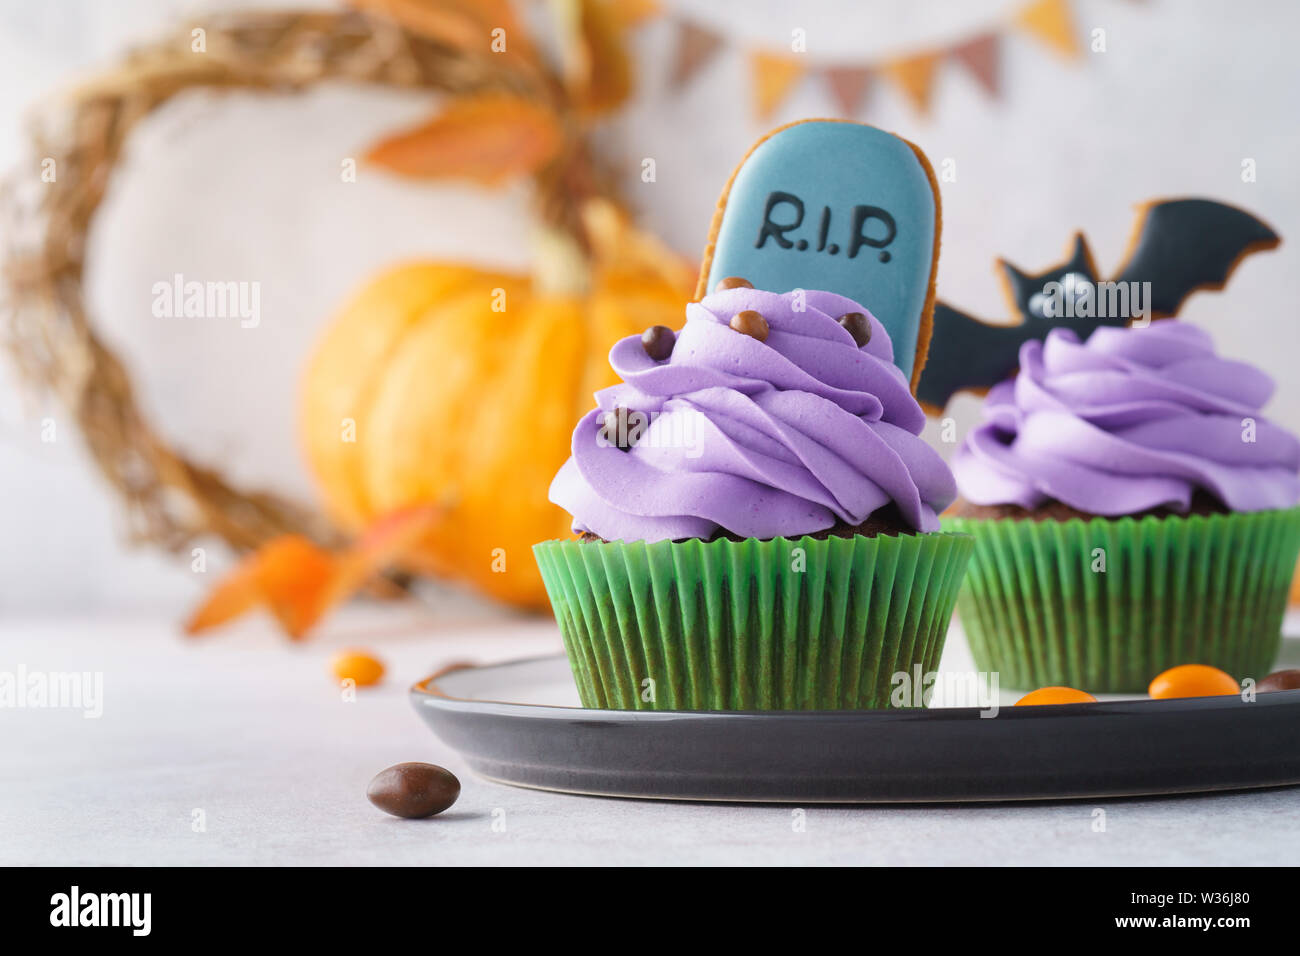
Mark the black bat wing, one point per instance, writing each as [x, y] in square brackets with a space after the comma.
[966, 353]
[1187, 244]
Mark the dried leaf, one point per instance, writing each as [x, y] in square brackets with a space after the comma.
[597, 67]
[489, 138]
[461, 23]
[297, 580]
[633, 13]
[384, 544]
[235, 594]
[620, 248]
[300, 582]
[289, 574]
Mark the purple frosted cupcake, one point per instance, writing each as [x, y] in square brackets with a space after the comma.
[1132, 511]
[758, 515]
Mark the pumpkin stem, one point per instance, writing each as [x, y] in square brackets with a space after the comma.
[561, 268]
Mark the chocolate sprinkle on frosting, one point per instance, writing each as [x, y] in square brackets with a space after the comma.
[857, 325]
[658, 342]
[750, 323]
[732, 282]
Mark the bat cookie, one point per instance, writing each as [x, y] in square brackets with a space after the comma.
[839, 207]
[1179, 247]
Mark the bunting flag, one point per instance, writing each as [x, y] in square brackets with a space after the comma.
[914, 75]
[774, 76]
[696, 46]
[1050, 21]
[775, 73]
[849, 86]
[980, 57]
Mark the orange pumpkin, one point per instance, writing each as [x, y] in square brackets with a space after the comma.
[448, 384]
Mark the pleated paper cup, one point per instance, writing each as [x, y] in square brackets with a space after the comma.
[1105, 605]
[782, 624]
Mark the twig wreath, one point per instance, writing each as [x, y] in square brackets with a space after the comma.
[474, 53]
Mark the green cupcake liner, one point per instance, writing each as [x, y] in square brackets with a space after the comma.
[782, 624]
[1175, 590]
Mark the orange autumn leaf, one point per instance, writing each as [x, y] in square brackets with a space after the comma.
[621, 250]
[489, 138]
[288, 575]
[384, 544]
[632, 13]
[299, 582]
[235, 594]
[461, 23]
[597, 67]
[296, 578]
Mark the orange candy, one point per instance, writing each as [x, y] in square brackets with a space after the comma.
[358, 666]
[1056, 695]
[1193, 680]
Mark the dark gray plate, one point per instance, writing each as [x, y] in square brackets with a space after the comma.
[505, 721]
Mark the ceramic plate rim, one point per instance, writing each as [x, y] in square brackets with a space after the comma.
[426, 692]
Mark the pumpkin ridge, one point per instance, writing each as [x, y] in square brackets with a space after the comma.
[455, 398]
[433, 314]
[432, 282]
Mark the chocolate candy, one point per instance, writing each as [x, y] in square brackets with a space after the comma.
[750, 323]
[732, 282]
[413, 790]
[622, 427]
[1279, 680]
[658, 342]
[857, 325]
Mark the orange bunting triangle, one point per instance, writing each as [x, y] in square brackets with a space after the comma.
[849, 86]
[774, 76]
[1050, 22]
[980, 57]
[914, 75]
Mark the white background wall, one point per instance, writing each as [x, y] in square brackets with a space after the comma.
[248, 189]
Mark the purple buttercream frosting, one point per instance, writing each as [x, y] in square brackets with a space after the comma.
[1132, 419]
[763, 439]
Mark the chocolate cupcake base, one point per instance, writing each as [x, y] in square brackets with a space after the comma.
[1052, 510]
[886, 520]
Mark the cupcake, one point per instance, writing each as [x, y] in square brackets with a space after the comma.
[1131, 511]
[758, 515]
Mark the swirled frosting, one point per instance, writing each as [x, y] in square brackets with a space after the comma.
[1132, 419]
[773, 438]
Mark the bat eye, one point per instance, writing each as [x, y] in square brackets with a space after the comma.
[1068, 291]
[1075, 285]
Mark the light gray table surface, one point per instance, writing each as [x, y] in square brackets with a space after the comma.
[252, 733]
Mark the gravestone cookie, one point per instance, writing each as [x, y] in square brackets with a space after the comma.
[841, 207]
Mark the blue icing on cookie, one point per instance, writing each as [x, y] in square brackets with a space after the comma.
[837, 206]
